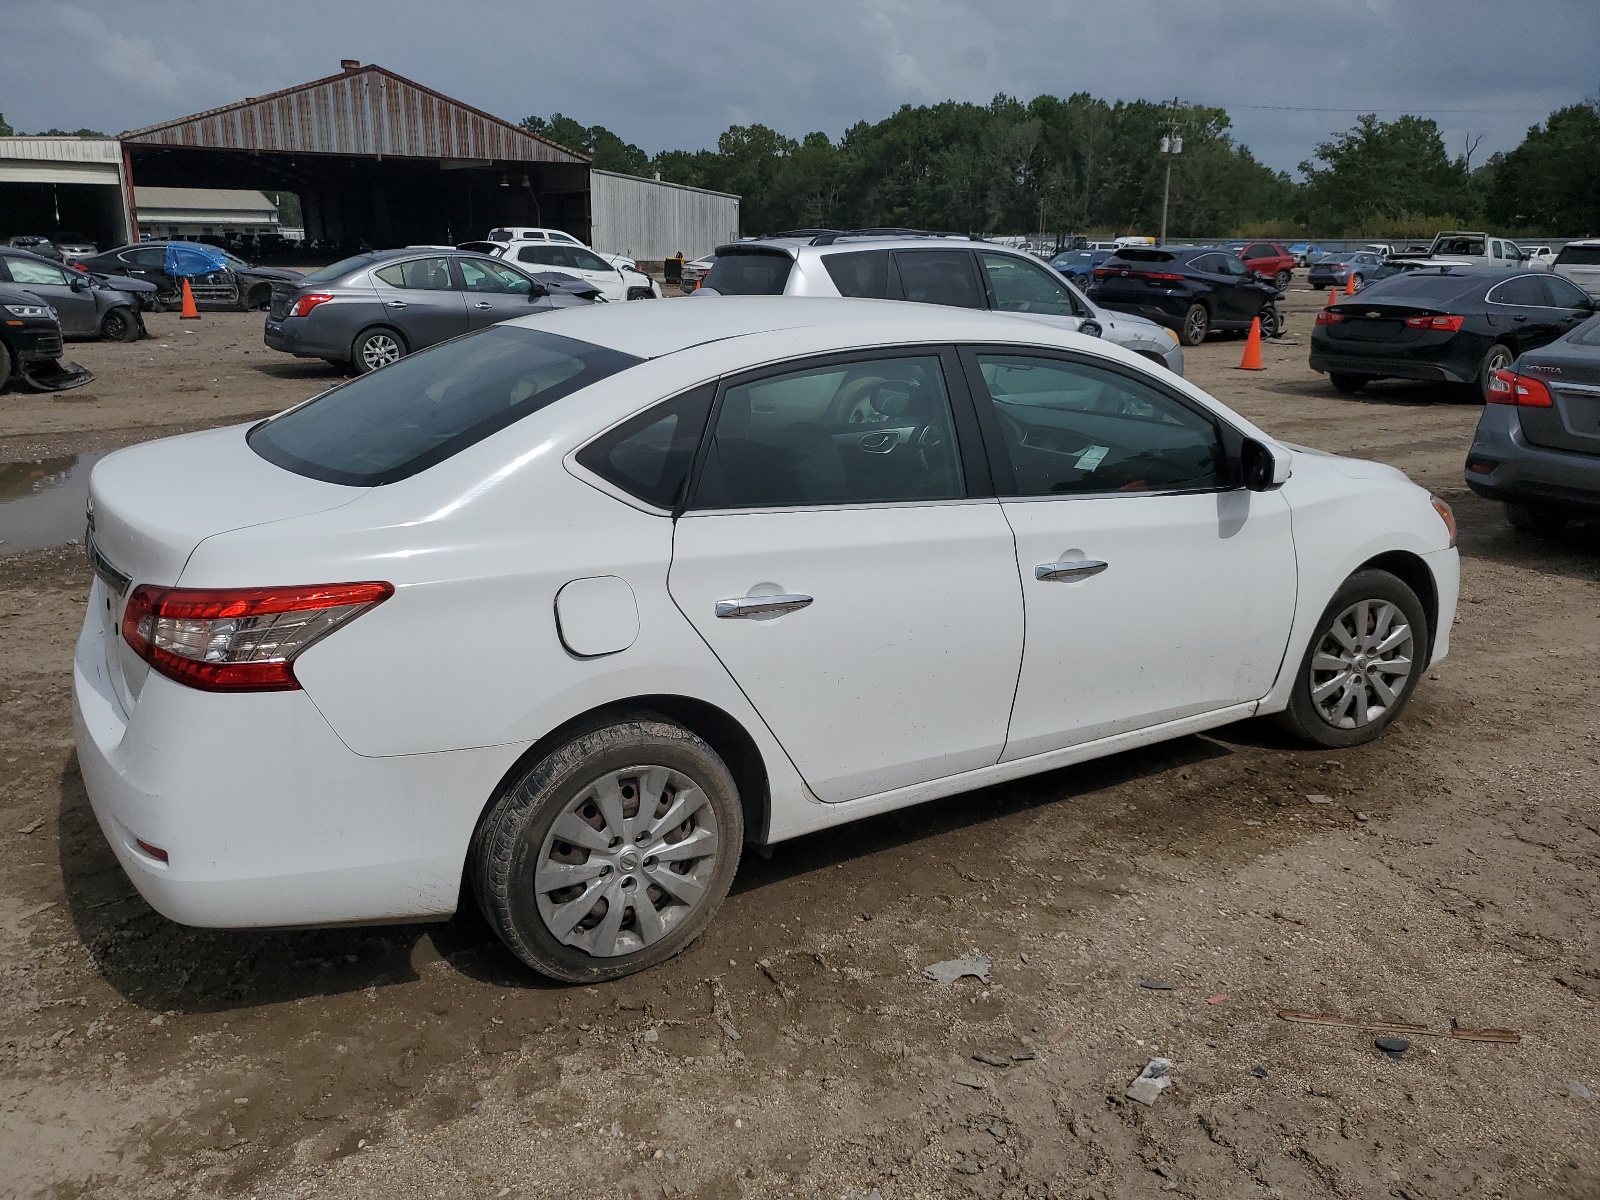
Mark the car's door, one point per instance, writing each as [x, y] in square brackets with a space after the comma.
[53, 285]
[848, 564]
[1571, 301]
[420, 298]
[936, 277]
[1231, 301]
[1016, 285]
[147, 263]
[1522, 307]
[1154, 588]
[495, 293]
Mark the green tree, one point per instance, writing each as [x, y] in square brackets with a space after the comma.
[6, 130]
[607, 151]
[1551, 182]
[1383, 169]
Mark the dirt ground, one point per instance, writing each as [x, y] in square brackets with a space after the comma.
[797, 1049]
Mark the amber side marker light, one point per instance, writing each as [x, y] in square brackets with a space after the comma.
[1445, 515]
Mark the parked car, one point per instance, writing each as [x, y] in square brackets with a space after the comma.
[373, 309]
[1580, 262]
[86, 308]
[583, 605]
[74, 247]
[1270, 260]
[639, 285]
[614, 283]
[928, 269]
[31, 344]
[1537, 446]
[1337, 270]
[1193, 290]
[241, 286]
[35, 243]
[1455, 324]
[1379, 250]
[1475, 248]
[1078, 265]
[695, 270]
[1540, 258]
[1305, 253]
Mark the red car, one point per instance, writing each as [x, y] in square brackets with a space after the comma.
[1269, 260]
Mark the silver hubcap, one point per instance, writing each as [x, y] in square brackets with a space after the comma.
[1197, 324]
[630, 856]
[380, 351]
[1361, 664]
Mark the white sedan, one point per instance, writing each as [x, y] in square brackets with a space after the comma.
[574, 608]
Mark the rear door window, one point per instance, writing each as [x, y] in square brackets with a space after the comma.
[649, 455]
[749, 274]
[938, 277]
[430, 405]
[863, 273]
[418, 275]
[1564, 293]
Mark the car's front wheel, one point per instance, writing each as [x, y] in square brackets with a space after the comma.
[1196, 324]
[1284, 278]
[611, 853]
[1348, 384]
[376, 348]
[1271, 321]
[119, 325]
[1362, 665]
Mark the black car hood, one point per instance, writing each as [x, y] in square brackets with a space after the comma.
[11, 293]
[273, 274]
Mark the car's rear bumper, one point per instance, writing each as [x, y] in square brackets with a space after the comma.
[266, 817]
[1332, 361]
[1502, 465]
[299, 336]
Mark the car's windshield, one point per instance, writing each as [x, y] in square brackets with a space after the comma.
[428, 406]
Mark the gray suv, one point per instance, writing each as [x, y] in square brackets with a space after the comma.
[368, 311]
[931, 269]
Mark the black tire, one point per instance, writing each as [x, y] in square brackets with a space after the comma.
[377, 347]
[119, 325]
[1348, 384]
[1535, 518]
[6, 366]
[1303, 718]
[1497, 358]
[1283, 279]
[1271, 321]
[1358, 281]
[259, 297]
[1195, 326]
[508, 846]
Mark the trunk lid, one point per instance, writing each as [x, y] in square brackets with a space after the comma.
[1379, 322]
[1570, 368]
[151, 505]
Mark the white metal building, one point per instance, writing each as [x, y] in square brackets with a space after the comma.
[169, 212]
[57, 185]
[649, 220]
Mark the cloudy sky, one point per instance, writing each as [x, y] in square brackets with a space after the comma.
[674, 75]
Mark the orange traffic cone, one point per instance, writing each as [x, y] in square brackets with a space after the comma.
[1252, 348]
[1350, 284]
[1333, 295]
[190, 312]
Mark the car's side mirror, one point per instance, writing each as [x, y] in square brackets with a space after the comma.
[1263, 467]
[78, 282]
[1089, 328]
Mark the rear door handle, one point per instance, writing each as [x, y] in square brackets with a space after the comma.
[1073, 568]
[483, 304]
[397, 304]
[759, 606]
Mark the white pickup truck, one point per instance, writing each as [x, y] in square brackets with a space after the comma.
[1463, 248]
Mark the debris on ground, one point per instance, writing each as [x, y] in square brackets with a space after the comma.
[1394, 1047]
[1156, 985]
[1151, 1082]
[1319, 799]
[1577, 1091]
[1029, 1056]
[1217, 999]
[32, 826]
[975, 964]
[1460, 1033]
[966, 1079]
[991, 1060]
[1259, 1072]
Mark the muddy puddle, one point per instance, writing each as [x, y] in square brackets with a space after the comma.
[42, 501]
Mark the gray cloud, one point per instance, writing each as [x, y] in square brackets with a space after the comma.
[671, 75]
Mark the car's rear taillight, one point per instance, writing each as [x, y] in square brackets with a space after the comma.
[304, 304]
[1326, 316]
[1448, 324]
[1505, 387]
[239, 639]
[1164, 276]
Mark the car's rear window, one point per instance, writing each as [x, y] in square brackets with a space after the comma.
[419, 411]
[1140, 255]
[1424, 285]
[343, 267]
[1588, 333]
[749, 274]
[1582, 256]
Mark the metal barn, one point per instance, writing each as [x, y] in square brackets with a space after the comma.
[649, 220]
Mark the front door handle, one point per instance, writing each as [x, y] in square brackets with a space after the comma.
[759, 606]
[397, 304]
[483, 304]
[1073, 568]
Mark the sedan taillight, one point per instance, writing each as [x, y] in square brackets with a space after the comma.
[1448, 324]
[304, 304]
[239, 639]
[1326, 316]
[1505, 387]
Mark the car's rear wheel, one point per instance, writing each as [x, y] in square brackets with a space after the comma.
[1534, 518]
[376, 348]
[1283, 279]
[5, 366]
[1196, 324]
[1498, 358]
[1358, 282]
[610, 854]
[1362, 665]
[1348, 384]
[119, 325]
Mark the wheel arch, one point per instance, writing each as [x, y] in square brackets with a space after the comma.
[1412, 571]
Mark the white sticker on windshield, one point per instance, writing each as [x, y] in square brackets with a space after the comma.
[1092, 457]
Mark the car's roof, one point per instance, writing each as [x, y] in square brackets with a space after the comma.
[654, 330]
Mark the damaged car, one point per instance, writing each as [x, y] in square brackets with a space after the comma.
[86, 306]
[31, 346]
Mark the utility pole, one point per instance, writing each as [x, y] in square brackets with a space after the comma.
[1170, 145]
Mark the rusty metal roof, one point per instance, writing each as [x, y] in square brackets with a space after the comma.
[366, 111]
